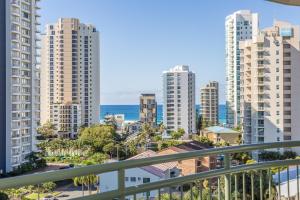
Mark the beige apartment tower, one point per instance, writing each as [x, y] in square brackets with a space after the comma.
[210, 103]
[70, 75]
[148, 109]
[270, 71]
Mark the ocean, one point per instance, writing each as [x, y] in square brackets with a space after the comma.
[131, 112]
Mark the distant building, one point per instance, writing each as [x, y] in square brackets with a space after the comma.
[210, 103]
[270, 71]
[140, 175]
[193, 165]
[239, 26]
[133, 128]
[221, 134]
[70, 71]
[66, 128]
[117, 120]
[179, 110]
[19, 81]
[148, 109]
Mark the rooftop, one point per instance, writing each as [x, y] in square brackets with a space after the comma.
[220, 129]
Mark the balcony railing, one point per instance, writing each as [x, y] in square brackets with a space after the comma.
[258, 171]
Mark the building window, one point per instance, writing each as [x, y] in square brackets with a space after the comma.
[133, 179]
[146, 180]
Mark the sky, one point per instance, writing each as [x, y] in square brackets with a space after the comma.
[139, 39]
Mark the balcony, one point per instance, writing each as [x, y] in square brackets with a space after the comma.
[259, 173]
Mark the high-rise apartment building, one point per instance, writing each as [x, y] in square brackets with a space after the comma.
[179, 100]
[239, 26]
[270, 71]
[70, 76]
[210, 103]
[148, 109]
[19, 82]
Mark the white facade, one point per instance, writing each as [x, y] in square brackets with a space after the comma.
[21, 82]
[270, 71]
[133, 177]
[239, 26]
[179, 100]
[118, 120]
[141, 175]
[70, 70]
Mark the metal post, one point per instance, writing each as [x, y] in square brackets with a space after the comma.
[298, 198]
[38, 192]
[279, 183]
[210, 191]
[159, 194]
[236, 187]
[121, 183]
[200, 190]
[252, 186]
[227, 176]
[244, 186]
[288, 181]
[181, 192]
[219, 189]
[270, 184]
[261, 184]
[191, 191]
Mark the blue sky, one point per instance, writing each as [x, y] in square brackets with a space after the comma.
[142, 38]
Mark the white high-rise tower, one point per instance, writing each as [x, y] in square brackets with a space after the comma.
[19, 82]
[179, 100]
[239, 26]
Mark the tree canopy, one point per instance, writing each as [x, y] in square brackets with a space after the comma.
[98, 136]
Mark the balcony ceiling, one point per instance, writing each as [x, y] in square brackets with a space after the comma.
[287, 2]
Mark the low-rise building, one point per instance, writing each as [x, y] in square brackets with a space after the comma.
[66, 118]
[221, 134]
[140, 175]
[194, 165]
[287, 183]
[117, 120]
[133, 127]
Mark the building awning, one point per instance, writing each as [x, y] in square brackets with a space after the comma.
[287, 2]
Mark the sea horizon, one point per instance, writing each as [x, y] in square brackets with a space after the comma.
[131, 111]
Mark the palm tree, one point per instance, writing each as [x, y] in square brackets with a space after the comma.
[79, 181]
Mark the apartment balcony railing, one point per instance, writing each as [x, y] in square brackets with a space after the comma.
[248, 174]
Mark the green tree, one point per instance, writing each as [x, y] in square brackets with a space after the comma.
[98, 158]
[78, 181]
[47, 130]
[87, 180]
[48, 187]
[177, 134]
[97, 136]
[3, 196]
[203, 139]
[162, 128]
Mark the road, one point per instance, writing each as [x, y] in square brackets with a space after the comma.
[70, 191]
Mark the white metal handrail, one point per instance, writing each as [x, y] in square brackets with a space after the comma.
[127, 164]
